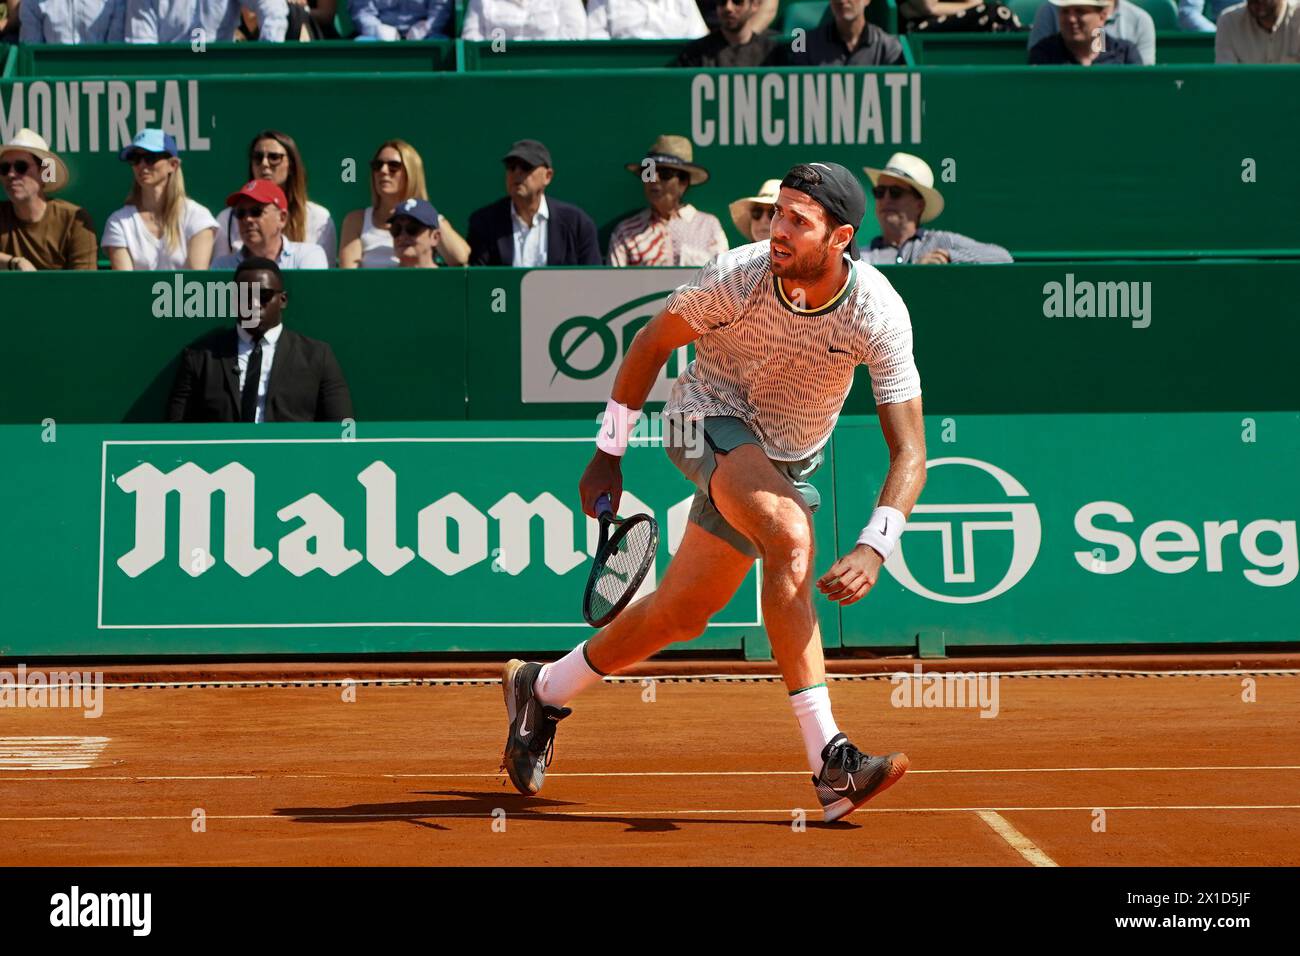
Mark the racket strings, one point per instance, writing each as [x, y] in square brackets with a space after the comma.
[622, 567]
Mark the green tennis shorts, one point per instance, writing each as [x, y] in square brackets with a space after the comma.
[722, 434]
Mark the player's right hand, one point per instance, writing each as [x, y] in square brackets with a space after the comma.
[603, 474]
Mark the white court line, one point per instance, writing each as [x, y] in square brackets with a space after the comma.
[50, 753]
[783, 812]
[1017, 840]
[631, 773]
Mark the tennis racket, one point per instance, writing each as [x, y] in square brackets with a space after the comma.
[622, 560]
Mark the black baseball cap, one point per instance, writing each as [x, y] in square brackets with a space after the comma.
[836, 190]
[529, 151]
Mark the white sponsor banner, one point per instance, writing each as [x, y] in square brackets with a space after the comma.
[573, 334]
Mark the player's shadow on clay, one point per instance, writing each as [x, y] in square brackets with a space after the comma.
[487, 804]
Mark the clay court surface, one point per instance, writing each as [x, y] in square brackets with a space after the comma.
[710, 772]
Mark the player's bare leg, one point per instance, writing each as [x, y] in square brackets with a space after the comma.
[764, 506]
[702, 577]
[700, 580]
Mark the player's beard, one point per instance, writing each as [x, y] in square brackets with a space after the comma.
[808, 266]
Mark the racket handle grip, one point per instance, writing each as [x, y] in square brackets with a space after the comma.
[602, 505]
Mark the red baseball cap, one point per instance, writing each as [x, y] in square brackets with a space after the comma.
[260, 190]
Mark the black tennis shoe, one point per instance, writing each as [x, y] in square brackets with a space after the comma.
[531, 739]
[849, 778]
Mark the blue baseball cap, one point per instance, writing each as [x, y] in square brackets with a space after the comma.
[151, 141]
[421, 210]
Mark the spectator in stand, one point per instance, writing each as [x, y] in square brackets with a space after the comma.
[735, 42]
[670, 232]
[906, 199]
[37, 232]
[525, 20]
[1259, 31]
[1195, 15]
[401, 19]
[262, 212]
[396, 175]
[644, 20]
[274, 156]
[65, 21]
[1124, 21]
[957, 16]
[226, 376]
[846, 39]
[174, 21]
[159, 228]
[414, 228]
[753, 214]
[1081, 39]
[763, 20]
[525, 228]
[10, 22]
[302, 27]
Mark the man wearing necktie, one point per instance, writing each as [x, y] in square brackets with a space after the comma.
[259, 371]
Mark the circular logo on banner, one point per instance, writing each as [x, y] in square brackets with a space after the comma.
[1020, 518]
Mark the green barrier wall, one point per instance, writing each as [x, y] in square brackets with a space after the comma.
[983, 340]
[1206, 162]
[545, 344]
[476, 572]
[403, 538]
[113, 355]
[1087, 529]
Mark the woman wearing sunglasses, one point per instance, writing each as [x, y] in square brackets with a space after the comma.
[753, 214]
[274, 155]
[159, 228]
[396, 175]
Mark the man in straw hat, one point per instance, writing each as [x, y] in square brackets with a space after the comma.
[37, 232]
[753, 214]
[670, 232]
[905, 199]
[779, 329]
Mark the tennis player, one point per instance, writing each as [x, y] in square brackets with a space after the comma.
[779, 328]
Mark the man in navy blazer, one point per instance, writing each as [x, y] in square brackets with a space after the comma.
[527, 229]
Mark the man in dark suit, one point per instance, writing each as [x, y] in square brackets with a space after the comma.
[259, 371]
[525, 228]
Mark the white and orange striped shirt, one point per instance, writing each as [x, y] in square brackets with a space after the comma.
[786, 371]
[690, 238]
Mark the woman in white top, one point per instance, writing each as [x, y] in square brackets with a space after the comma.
[396, 175]
[644, 20]
[159, 228]
[525, 20]
[274, 155]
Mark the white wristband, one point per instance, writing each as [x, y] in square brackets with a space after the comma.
[883, 530]
[616, 428]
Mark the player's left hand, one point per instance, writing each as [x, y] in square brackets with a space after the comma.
[852, 577]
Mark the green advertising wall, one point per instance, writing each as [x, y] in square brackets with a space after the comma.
[1032, 530]
[491, 344]
[1196, 162]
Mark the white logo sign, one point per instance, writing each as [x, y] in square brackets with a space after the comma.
[573, 335]
[1020, 518]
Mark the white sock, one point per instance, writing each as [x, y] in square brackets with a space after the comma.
[568, 677]
[812, 706]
